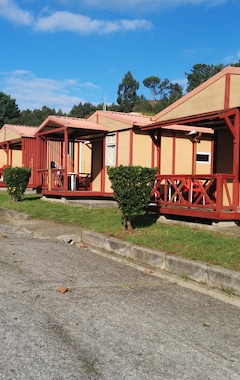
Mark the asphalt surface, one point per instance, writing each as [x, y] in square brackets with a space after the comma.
[113, 322]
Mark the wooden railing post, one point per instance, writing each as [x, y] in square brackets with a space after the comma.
[219, 193]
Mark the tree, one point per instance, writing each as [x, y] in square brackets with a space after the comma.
[8, 109]
[237, 64]
[132, 186]
[200, 73]
[82, 110]
[35, 117]
[175, 92]
[127, 93]
[152, 83]
[168, 93]
[142, 105]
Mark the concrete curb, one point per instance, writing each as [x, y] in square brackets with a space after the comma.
[210, 275]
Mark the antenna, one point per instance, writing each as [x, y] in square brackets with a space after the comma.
[104, 104]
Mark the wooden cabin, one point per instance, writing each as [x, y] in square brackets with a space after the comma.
[214, 106]
[18, 148]
[126, 144]
[70, 155]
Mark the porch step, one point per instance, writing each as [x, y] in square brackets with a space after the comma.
[92, 203]
[227, 226]
[88, 203]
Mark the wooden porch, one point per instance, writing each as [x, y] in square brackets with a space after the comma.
[202, 196]
[213, 196]
[62, 183]
[70, 159]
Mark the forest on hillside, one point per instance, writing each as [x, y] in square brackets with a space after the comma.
[162, 93]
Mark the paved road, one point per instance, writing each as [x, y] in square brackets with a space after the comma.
[115, 322]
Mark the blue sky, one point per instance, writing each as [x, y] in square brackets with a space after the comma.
[59, 53]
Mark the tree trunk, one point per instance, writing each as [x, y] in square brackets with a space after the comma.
[129, 226]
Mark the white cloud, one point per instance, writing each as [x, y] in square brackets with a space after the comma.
[67, 21]
[74, 22]
[32, 92]
[146, 5]
[89, 85]
[12, 12]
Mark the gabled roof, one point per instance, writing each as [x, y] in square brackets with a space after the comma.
[70, 122]
[76, 127]
[12, 133]
[119, 120]
[218, 93]
[21, 130]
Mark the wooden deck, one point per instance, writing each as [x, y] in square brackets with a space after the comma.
[199, 196]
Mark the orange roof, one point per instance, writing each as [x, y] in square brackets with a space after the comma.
[70, 122]
[21, 130]
[133, 119]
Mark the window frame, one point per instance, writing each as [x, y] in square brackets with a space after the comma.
[110, 159]
[208, 154]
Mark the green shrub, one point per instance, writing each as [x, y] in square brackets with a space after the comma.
[132, 186]
[16, 180]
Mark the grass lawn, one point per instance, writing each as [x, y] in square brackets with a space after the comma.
[185, 241]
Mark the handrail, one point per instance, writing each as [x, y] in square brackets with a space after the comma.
[212, 192]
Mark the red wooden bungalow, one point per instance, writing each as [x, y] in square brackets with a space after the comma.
[18, 148]
[70, 157]
[214, 105]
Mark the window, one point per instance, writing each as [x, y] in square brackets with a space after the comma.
[203, 158]
[111, 149]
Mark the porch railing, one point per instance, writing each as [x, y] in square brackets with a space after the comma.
[55, 180]
[213, 192]
[43, 179]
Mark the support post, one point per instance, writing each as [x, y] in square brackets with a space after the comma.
[65, 159]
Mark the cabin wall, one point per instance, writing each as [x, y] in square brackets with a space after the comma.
[183, 161]
[108, 188]
[209, 99]
[85, 158]
[122, 155]
[111, 124]
[97, 165]
[54, 153]
[142, 150]
[166, 160]
[123, 148]
[29, 158]
[137, 153]
[16, 157]
[204, 146]
[7, 134]
[25, 157]
[224, 152]
[234, 91]
[183, 155]
[3, 158]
